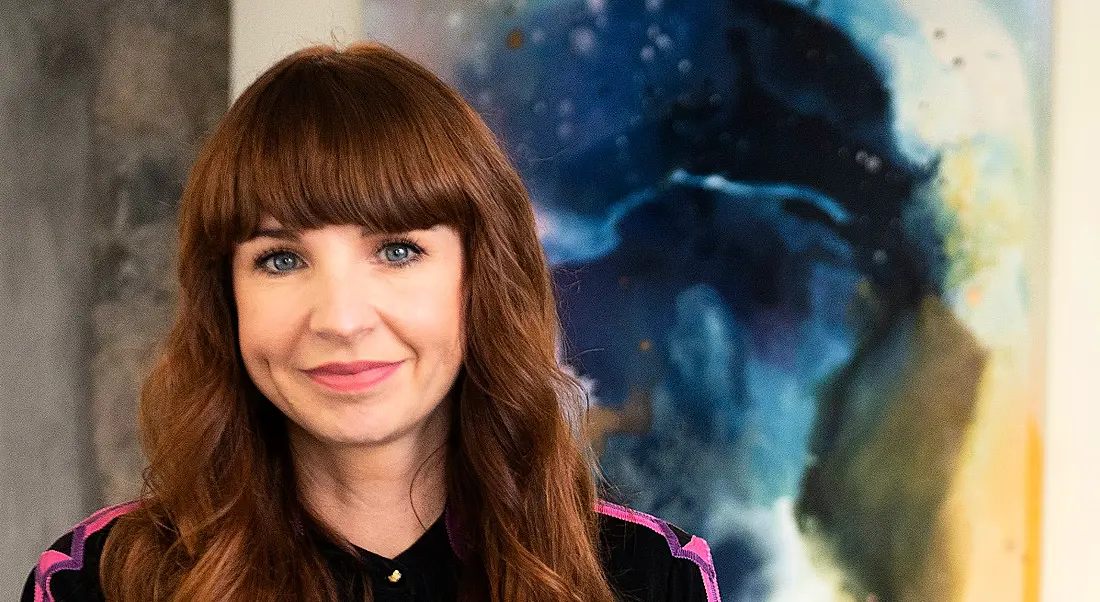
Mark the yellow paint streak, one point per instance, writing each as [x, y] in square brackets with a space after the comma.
[992, 489]
[993, 510]
[1034, 533]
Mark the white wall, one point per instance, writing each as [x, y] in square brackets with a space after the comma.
[265, 31]
[1071, 551]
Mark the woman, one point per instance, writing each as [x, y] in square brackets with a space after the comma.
[360, 398]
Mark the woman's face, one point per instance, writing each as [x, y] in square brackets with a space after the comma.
[355, 336]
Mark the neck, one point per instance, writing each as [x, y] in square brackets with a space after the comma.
[380, 497]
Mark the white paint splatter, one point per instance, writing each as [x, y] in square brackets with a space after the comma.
[582, 40]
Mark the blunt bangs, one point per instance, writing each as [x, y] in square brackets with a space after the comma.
[332, 138]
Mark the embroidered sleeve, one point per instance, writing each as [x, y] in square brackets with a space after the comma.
[695, 579]
[690, 570]
[69, 570]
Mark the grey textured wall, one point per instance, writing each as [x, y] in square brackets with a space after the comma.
[45, 280]
[102, 105]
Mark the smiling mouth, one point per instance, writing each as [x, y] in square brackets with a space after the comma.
[352, 378]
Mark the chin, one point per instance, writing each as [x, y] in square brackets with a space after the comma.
[350, 434]
[359, 439]
[363, 422]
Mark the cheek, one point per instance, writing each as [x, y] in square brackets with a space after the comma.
[437, 317]
[248, 333]
[261, 334]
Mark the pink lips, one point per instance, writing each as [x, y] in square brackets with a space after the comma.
[353, 376]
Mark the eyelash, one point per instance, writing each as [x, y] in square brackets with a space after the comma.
[417, 254]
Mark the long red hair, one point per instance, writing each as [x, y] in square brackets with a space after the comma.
[364, 136]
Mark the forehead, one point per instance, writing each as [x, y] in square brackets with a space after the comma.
[268, 222]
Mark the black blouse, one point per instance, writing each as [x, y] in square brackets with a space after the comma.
[646, 559]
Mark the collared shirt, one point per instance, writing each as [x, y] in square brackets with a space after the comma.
[646, 559]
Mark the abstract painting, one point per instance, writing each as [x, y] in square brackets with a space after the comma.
[797, 248]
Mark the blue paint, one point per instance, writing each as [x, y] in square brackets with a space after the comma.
[718, 180]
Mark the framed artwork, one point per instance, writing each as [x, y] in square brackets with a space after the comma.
[797, 247]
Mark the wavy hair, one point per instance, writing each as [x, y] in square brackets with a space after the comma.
[357, 136]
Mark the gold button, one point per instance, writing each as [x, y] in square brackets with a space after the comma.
[394, 576]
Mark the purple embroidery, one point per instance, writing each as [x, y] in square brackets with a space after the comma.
[696, 550]
[53, 561]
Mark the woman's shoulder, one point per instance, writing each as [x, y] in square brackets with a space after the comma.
[69, 569]
[652, 559]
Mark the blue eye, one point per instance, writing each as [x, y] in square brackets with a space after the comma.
[399, 252]
[280, 261]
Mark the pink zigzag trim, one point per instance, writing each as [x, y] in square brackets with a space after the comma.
[696, 549]
[53, 561]
[700, 547]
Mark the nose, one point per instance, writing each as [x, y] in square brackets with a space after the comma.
[343, 305]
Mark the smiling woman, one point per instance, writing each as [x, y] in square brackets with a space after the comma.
[360, 397]
[338, 314]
